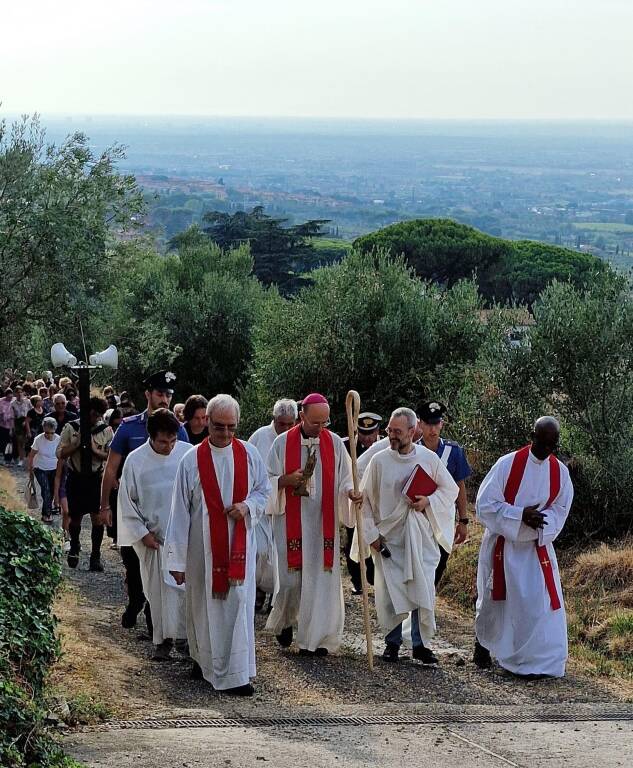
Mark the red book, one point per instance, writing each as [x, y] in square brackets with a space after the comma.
[419, 483]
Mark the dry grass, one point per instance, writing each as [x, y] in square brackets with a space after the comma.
[610, 569]
[90, 664]
[9, 496]
[459, 583]
[601, 615]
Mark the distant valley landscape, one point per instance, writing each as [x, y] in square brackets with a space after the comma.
[563, 183]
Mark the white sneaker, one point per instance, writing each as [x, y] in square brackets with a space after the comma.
[20, 463]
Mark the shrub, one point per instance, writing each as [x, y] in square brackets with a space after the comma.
[367, 324]
[30, 573]
[582, 350]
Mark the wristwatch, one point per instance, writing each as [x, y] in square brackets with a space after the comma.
[463, 520]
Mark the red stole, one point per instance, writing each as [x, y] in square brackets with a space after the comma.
[293, 503]
[229, 567]
[517, 470]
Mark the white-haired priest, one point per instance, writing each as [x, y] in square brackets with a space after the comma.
[313, 476]
[405, 532]
[220, 493]
[285, 413]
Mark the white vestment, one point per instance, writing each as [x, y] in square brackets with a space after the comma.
[364, 459]
[266, 570]
[311, 598]
[405, 581]
[144, 503]
[522, 631]
[221, 632]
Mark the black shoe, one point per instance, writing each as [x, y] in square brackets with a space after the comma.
[196, 672]
[425, 655]
[162, 652]
[148, 619]
[241, 690]
[481, 656]
[95, 564]
[284, 638]
[321, 652]
[72, 560]
[306, 652]
[128, 620]
[391, 653]
[260, 599]
[357, 591]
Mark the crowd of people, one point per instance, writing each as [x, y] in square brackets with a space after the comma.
[210, 528]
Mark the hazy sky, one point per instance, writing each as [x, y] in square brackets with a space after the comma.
[328, 58]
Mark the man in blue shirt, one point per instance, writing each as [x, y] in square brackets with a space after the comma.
[131, 434]
[431, 421]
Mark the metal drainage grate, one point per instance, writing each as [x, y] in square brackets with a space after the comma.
[584, 715]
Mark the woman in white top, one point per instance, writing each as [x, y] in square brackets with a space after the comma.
[43, 464]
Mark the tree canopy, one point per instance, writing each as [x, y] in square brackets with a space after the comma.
[192, 310]
[444, 251]
[282, 255]
[58, 208]
[367, 324]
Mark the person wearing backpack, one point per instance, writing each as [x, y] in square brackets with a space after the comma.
[83, 490]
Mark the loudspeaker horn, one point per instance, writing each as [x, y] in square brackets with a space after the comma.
[109, 358]
[60, 356]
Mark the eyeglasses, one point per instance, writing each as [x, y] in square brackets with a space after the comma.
[223, 427]
[396, 432]
[323, 424]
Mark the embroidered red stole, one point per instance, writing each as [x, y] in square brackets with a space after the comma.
[517, 470]
[293, 503]
[229, 563]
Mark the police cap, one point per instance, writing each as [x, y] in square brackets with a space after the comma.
[431, 412]
[368, 422]
[161, 380]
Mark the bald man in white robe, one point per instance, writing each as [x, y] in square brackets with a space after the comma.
[523, 502]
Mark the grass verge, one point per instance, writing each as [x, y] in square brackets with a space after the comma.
[598, 587]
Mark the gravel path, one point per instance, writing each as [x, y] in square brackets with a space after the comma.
[114, 664]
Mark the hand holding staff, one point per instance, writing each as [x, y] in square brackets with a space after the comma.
[352, 406]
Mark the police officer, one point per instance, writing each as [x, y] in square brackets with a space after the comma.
[431, 421]
[132, 433]
[368, 433]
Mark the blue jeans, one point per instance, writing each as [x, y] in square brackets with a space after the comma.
[395, 636]
[46, 481]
